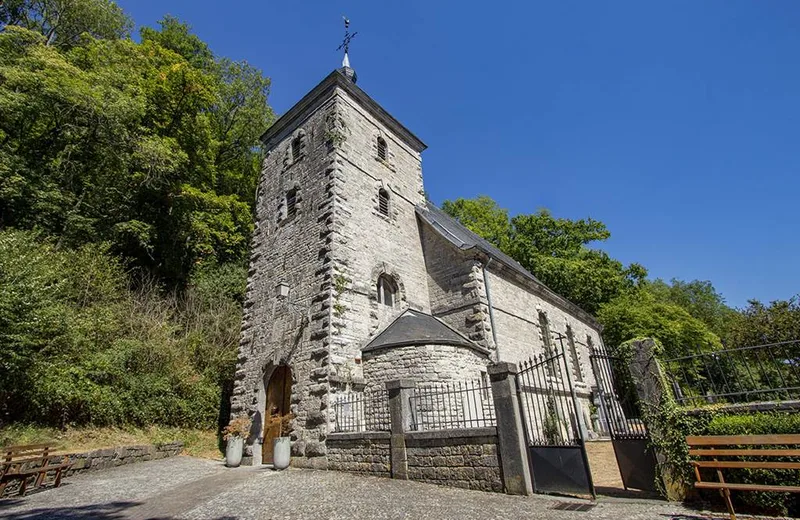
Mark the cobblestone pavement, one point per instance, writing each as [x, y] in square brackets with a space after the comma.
[189, 488]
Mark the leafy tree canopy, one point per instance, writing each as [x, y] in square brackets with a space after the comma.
[555, 250]
[758, 323]
[698, 298]
[131, 144]
[640, 314]
[63, 22]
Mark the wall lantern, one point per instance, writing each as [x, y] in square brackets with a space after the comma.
[282, 290]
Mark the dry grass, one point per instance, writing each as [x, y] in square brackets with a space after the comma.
[197, 443]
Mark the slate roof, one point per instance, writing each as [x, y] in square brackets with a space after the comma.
[417, 328]
[455, 233]
[463, 238]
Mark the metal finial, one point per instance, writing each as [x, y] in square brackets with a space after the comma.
[346, 42]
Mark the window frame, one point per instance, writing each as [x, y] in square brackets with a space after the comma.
[384, 202]
[383, 149]
[386, 286]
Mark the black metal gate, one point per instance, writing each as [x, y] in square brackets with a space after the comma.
[555, 437]
[620, 415]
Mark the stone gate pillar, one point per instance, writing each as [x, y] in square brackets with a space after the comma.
[512, 447]
[653, 392]
[400, 391]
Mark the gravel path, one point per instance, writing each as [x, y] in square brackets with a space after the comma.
[188, 488]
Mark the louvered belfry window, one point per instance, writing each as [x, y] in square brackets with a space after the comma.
[383, 153]
[291, 203]
[297, 143]
[383, 202]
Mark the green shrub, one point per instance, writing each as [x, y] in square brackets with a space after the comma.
[79, 346]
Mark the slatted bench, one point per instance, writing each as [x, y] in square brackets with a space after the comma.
[30, 461]
[728, 446]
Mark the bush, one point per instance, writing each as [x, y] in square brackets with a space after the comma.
[79, 346]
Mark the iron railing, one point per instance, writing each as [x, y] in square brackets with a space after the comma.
[737, 375]
[366, 411]
[547, 401]
[460, 404]
[615, 396]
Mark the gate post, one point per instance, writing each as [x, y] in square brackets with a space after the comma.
[400, 391]
[511, 436]
[648, 379]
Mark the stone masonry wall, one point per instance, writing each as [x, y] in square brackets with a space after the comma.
[360, 453]
[516, 309]
[366, 243]
[423, 364]
[458, 458]
[295, 250]
[455, 283]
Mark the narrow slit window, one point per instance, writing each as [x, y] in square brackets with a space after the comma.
[383, 152]
[387, 291]
[383, 202]
[297, 144]
[576, 360]
[291, 203]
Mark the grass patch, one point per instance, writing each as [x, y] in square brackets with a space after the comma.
[197, 443]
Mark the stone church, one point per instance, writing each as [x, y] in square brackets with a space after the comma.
[356, 279]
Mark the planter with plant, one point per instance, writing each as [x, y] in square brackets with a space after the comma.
[235, 434]
[281, 446]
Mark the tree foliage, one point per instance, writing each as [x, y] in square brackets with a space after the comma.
[555, 250]
[79, 346]
[131, 144]
[759, 324]
[133, 168]
[698, 298]
[63, 22]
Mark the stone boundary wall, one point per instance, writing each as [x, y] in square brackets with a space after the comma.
[465, 458]
[365, 452]
[111, 457]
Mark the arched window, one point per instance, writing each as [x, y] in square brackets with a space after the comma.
[383, 152]
[383, 202]
[297, 144]
[387, 291]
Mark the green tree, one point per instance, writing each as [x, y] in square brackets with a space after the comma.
[131, 144]
[759, 324]
[698, 298]
[555, 250]
[639, 314]
[63, 22]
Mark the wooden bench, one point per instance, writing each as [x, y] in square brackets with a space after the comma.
[33, 460]
[727, 446]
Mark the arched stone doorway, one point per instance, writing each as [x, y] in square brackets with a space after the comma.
[278, 397]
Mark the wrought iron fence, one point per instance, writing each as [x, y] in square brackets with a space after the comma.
[547, 401]
[615, 396]
[461, 404]
[366, 411]
[738, 375]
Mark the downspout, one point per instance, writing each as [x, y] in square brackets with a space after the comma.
[491, 309]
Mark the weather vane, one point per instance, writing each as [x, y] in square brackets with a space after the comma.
[347, 37]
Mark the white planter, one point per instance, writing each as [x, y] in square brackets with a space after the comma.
[233, 453]
[281, 453]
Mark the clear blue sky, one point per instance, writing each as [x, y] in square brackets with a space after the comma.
[676, 123]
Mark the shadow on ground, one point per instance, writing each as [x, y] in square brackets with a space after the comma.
[110, 511]
[626, 493]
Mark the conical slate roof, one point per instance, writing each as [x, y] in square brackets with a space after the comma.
[418, 328]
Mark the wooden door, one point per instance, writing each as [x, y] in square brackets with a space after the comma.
[279, 393]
